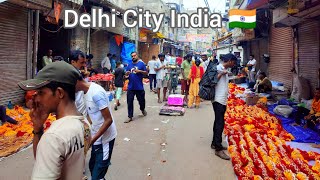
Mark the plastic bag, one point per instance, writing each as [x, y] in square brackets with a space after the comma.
[283, 110]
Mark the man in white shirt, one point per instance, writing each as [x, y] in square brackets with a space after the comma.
[103, 128]
[60, 151]
[204, 61]
[252, 68]
[220, 102]
[162, 78]
[106, 64]
[152, 73]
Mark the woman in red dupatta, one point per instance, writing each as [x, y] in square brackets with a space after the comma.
[195, 76]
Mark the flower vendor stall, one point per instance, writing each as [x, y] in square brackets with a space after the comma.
[16, 137]
[257, 144]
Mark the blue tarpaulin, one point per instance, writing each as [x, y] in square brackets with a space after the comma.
[127, 49]
[300, 133]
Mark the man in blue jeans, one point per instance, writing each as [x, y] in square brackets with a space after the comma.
[135, 71]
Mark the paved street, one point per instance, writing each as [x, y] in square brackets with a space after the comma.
[186, 156]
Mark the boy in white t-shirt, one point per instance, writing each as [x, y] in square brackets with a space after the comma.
[103, 128]
[60, 151]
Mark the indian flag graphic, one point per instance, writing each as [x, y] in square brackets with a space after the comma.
[242, 18]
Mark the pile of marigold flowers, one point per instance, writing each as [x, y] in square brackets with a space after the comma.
[14, 137]
[257, 144]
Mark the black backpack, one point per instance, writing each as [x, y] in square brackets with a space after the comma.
[208, 82]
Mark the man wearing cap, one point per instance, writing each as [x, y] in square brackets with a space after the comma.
[219, 104]
[60, 151]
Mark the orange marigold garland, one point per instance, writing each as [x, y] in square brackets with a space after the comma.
[257, 144]
[14, 137]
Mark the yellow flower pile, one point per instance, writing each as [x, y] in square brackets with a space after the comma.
[14, 137]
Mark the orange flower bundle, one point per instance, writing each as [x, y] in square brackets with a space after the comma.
[14, 137]
[257, 144]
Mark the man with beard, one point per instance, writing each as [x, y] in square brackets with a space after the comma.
[135, 71]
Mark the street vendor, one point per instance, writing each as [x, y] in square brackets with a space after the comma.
[263, 84]
[313, 116]
[5, 118]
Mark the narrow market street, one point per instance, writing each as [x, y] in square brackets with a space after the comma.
[186, 154]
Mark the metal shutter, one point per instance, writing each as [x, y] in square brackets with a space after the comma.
[281, 55]
[308, 39]
[13, 51]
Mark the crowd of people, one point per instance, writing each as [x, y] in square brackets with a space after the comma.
[84, 113]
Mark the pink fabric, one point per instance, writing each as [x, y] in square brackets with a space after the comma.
[175, 100]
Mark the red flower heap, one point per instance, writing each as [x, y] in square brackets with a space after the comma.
[257, 144]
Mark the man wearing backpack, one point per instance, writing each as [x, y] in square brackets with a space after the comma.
[219, 104]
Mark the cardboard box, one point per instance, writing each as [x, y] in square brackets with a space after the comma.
[252, 100]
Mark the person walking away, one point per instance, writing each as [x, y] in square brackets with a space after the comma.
[135, 70]
[113, 62]
[195, 76]
[103, 129]
[47, 59]
[185, 70]
[152, 73]
[162, 79]
[263, 84]
[252, 69]
[60, 151]
[119, 74]
[106, 64]
[219, 104]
